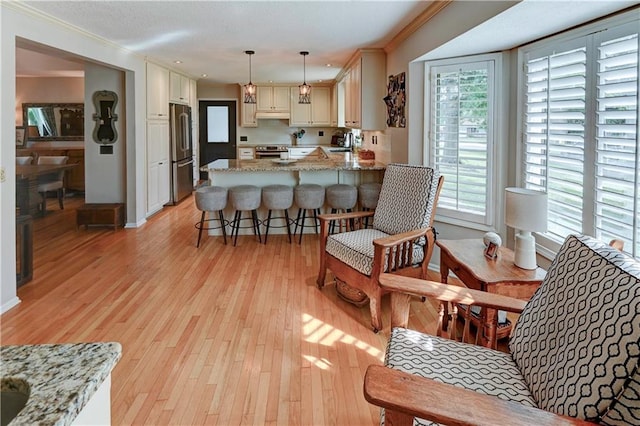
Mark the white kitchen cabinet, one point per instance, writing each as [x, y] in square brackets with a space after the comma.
[158, 165]
[157, 92]
[247, 114]
[317, 113]
[246, 153]
[179, 88]
[272, 99]
[365, 87]
[333, 110]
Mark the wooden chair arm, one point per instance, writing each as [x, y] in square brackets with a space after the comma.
[449, 293]
[405, 396]
[342, 216]
[394, 240]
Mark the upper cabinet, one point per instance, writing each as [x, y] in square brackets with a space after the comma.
[333, 110]
[248, 115]
[157, 92]
[317, 113]
[272, 99]
[179, 89]
[364, 84]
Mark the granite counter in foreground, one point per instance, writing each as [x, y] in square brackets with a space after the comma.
[61, 378]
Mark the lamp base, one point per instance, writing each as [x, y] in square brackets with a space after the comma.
[525, 251]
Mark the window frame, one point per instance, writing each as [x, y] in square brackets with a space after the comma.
[545, 245]
[497, 156]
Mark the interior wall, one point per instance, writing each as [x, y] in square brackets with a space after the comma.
[19, 23]
[47, 89]
[455, 19]
[406, 144]
[105, 174]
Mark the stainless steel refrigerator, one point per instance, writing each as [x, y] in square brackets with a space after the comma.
[181, 152]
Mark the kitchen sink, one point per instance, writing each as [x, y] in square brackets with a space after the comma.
[13, 397]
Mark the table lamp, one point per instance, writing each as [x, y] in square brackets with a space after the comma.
[526, 211]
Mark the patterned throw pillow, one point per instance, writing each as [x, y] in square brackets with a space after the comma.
[577, 342]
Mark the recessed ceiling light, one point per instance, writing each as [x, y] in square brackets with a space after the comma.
[177, 62]
[204, 75]
[329, 65]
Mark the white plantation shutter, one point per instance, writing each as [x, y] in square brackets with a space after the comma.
[580, 134]
[617, 172]
[461, 137]
[554, 135]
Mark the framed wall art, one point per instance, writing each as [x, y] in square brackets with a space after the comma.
[395, 101]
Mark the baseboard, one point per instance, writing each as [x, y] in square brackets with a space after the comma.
[10, 304]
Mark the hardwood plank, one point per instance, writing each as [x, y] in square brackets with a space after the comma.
[215, 335]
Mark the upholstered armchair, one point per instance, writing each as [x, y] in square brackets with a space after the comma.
[400, 240]
[574, 351]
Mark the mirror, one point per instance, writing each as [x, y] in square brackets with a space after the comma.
[105, 131]
[53, 122]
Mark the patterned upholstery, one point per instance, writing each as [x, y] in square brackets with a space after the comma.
[470, 367]
[406, 203]
[406, 199]
[574, 351]
[356, 249]
[578, 340]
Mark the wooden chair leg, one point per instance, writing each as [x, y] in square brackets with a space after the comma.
[61, 198]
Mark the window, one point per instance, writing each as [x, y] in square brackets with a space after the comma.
[460, 122]
[580, 134]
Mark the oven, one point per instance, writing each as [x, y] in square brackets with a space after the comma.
[270, 151]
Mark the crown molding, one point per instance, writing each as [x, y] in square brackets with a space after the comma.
[434, 8]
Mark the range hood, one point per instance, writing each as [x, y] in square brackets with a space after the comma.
[266, 115]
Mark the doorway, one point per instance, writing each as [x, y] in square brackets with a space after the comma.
[217, 132]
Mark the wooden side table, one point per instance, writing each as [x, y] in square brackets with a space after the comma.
[466, 259]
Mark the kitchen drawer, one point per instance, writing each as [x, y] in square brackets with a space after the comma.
[246, 153]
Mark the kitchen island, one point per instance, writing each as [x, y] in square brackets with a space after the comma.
[66, 384]
[324, 170]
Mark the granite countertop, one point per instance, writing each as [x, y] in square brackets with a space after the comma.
[336, 162]
[60, 378]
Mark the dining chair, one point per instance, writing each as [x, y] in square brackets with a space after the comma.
[53, 181]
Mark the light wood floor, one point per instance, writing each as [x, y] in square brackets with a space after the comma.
[219, 335]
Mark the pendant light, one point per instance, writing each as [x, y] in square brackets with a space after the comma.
[250, 88]
[305, 89]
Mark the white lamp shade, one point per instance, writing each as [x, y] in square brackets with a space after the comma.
[526, 209]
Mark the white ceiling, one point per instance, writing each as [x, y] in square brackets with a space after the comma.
[211, 36]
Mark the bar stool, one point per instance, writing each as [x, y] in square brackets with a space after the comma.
[245, 198]
[277, 197]
[341, 198]
[211, 199]
[369, 194]
[308, 196]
